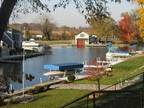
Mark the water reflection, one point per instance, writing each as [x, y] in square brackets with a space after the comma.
[12, 73]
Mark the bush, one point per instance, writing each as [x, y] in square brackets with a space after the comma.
[71, 78]
[1, 101]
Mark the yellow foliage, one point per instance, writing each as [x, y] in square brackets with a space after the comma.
[140, 11]
[140, 1]
[140, 21]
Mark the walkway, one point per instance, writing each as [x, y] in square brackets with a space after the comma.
[118, 86]
[78, 86]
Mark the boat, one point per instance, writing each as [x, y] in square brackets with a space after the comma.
[115, 52]
[29, 45]
[33, 46]
[110, 55]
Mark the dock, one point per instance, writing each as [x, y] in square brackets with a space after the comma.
[18, 58]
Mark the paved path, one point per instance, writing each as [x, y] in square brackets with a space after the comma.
[85, 86]
[94, 86]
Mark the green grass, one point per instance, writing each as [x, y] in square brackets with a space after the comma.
[55, 42]
[51, 99]
[107, 99]
[120, 71]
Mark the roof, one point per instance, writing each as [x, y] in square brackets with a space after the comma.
[82, 35]
[62, 67]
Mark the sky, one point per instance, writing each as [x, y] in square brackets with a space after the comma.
[71, 17]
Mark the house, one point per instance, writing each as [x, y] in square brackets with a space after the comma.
[12, 39]
[93, 39]
[82, 39]
[39, 36]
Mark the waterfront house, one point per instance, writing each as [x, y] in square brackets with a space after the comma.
[12, 39]
[82, 39]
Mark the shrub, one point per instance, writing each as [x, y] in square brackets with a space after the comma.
[71, 78]
[1, 101]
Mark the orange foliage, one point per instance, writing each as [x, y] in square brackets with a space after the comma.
[126, 26]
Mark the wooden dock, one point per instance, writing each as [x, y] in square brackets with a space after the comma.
[18, 58]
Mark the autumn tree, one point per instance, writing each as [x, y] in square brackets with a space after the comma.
[140, 19]
[128, 28]
[136, 32]
[104, 28]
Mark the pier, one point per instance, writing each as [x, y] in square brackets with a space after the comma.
[18, 58]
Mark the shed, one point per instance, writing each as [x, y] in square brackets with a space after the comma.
[82, 39]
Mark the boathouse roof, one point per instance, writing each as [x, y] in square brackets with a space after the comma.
[62, 67]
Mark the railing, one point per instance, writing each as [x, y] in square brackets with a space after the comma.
[119, 95]
[8, 41]
[126, 82]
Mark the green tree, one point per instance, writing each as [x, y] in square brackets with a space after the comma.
[47, 28]
[64, 35]
[27, 34]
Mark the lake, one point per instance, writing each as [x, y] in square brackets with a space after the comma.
[12, 73]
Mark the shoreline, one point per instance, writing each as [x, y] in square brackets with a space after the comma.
[35, 88]
[17, 58]
[73, 45]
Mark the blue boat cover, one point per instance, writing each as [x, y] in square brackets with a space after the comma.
[62, 67]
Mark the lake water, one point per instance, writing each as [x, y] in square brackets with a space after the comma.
[12, 73]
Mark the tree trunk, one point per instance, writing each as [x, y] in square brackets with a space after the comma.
[5, 13]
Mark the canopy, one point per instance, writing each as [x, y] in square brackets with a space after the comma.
[62, 67]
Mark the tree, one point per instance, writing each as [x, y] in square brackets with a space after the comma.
[27, 34]
[140, 19]
[104, 28]
[64, 35]
[90, 8]
[128, 28]
[95, 73]
[136, 32]
[47, 28]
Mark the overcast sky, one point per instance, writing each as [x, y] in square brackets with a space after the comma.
[71, 17]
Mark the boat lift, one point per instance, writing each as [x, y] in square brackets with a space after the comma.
[62, 69]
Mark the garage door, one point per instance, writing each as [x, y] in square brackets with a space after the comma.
[80, 43]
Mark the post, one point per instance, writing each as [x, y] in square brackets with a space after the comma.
[87, 101]
[115, 87]
[23, 76]
[98, 81]
[142, 91]
[94, 98]
[41, 81]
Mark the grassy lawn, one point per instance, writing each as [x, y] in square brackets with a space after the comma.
[55, 42]
[121, 71]
[51, 99]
